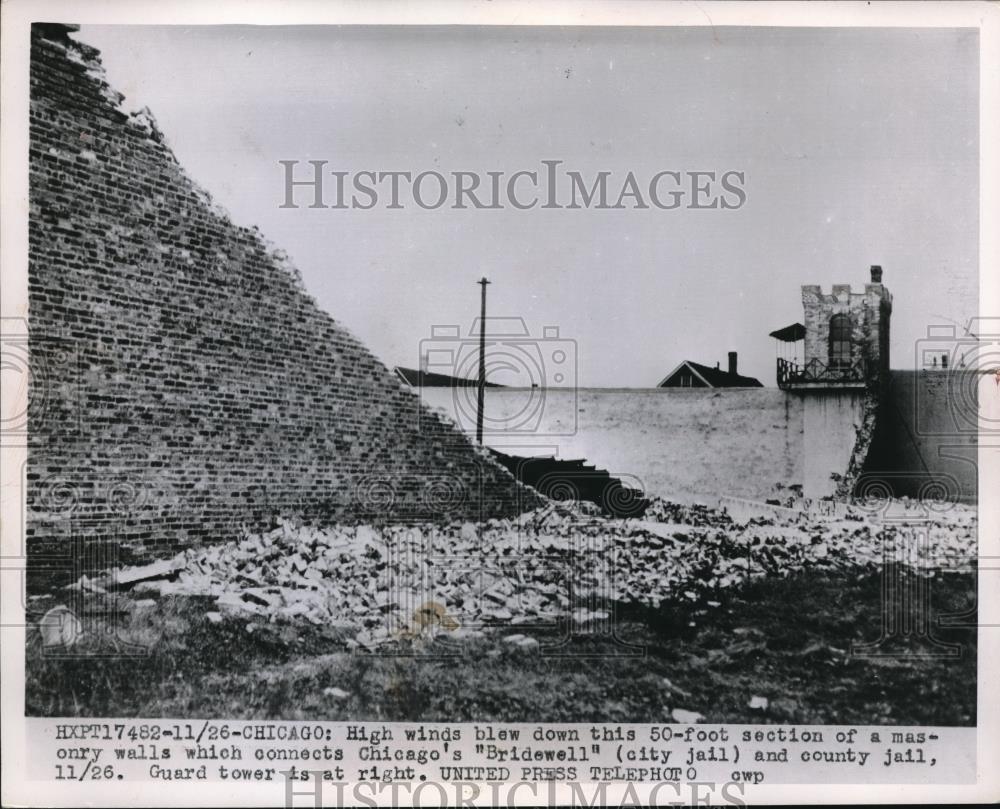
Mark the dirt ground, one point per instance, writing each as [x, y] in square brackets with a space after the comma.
[711, 658]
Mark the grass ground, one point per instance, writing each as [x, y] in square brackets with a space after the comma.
[788, 640]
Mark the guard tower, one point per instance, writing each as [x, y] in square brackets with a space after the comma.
[846, 338]
[842, 378]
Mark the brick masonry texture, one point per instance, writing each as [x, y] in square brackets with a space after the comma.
[184, 383]
[869, 311]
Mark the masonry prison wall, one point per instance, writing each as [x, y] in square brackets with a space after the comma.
[699, 444]
[183, 382]
[682, 444]
[926, 442]
[833, 421]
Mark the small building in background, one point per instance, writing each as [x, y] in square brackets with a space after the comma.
[695, 375]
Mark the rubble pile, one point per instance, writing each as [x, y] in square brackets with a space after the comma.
[560, 562]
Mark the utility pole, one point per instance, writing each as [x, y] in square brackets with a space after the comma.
[482, 362]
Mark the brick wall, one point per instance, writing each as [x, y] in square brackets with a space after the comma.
[184, 383]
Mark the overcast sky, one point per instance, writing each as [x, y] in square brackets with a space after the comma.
[859, 147]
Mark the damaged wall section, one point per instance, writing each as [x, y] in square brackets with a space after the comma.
[183, 381]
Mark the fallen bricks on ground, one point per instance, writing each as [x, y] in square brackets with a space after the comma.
[396, 582]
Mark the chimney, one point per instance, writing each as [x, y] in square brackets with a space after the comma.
[876, 274]
[732, 362]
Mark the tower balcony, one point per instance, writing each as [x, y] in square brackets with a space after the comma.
[816, 374]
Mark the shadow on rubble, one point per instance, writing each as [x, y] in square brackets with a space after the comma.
[576, 481]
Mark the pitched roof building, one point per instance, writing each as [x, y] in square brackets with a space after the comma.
[695, 375]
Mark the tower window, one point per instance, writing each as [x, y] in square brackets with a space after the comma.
[840, 341]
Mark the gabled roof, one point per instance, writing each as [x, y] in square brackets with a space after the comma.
[429, 379]
[714, 377]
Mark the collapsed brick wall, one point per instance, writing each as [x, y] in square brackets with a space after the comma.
[183, 381]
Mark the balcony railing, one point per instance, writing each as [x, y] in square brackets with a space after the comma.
[815, 372]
